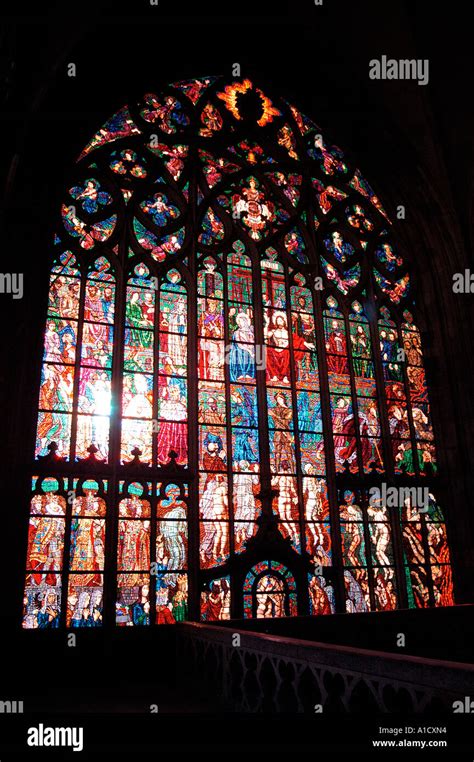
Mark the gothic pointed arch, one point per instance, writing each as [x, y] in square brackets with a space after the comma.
[233, 391]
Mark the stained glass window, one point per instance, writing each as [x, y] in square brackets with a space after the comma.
[233, 415]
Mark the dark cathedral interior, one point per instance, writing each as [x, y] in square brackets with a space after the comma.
[267, 198]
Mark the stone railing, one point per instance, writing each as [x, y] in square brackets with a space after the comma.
[255, 672]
